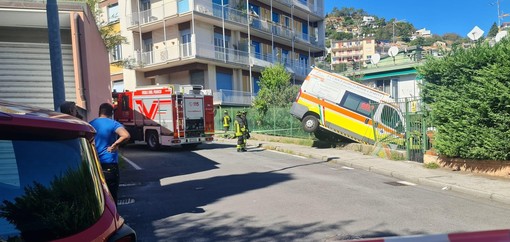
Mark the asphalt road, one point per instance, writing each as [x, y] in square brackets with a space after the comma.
[217, 194]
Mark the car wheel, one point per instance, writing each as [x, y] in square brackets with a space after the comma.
[310, 123]
[152, 139]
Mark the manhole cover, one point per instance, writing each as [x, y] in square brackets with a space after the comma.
[125, 201]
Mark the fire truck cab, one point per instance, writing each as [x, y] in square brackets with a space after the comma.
[167, 115]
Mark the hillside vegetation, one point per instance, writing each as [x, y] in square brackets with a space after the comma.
[347, 23]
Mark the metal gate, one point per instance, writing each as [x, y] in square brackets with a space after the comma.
[410, 126]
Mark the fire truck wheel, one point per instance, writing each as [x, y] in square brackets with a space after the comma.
[310, 123]
[152, 139]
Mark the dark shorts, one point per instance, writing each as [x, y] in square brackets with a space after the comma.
[111, 175]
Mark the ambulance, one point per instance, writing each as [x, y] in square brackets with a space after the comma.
[167, 115]
[332, 106]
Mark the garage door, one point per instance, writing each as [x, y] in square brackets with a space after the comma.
[25, 73]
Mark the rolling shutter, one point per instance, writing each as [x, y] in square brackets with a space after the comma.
[25, 73]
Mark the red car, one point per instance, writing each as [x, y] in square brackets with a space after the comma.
[51, 184]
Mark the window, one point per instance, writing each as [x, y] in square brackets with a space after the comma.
[118, 86]
[383, 85]
[186, 42]
[116, 53]
[49, 183]
[356, 104]
[113, 13]
[390, 118]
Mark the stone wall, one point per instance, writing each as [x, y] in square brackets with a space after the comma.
[486, 167]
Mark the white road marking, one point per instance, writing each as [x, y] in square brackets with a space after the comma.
[406, 183]
[347, 168]
[134, 165]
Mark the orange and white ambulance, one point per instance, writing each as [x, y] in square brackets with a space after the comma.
[167, 115]
[329, 105]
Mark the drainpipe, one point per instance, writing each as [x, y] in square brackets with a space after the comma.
[57, 71]
[223, 29]
[140, 35]
[249, 45]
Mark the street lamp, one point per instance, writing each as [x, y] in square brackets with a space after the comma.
[395, 22]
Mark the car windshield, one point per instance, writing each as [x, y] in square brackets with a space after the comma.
[49, 189]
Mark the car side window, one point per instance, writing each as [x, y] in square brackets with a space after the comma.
[356, 103]
[52, 185]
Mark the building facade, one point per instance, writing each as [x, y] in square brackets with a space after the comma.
[109, 19]
[25, 64]
[223, 45]
[348, 52]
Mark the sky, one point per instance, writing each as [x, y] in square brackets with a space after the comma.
[438, 16]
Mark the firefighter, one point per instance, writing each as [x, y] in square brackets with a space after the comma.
[247, 130]
[226, 123]
[240, 132]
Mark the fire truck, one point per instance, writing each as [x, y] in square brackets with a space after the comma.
[167, 115]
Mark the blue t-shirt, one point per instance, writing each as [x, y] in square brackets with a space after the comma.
[105, 137]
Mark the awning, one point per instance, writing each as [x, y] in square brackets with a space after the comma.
[388, 74]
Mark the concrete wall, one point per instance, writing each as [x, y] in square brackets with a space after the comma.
[408, 86]
[93, 57]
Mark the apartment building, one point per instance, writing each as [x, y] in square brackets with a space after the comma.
[109, 17]
[223, 45]
[349, 51]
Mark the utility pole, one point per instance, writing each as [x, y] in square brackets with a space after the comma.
[395, 22]
[57, 71]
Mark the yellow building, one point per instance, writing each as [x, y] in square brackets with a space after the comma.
[349, 51]
[110, 18]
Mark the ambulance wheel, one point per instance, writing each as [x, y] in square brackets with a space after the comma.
[310, 123]
[152, 139]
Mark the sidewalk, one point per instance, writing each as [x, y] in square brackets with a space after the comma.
[492, 188]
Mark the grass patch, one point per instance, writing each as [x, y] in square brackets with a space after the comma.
[431, 165]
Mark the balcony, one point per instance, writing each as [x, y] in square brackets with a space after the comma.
[221, 12]
[308, 6]
[176, 53]
[232, 97]
[190, 50]
[226, 13]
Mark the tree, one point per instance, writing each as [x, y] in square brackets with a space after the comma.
[275, 89]
[341, 36]
[468, 91]
[110, 37]
[453, 37]
[493, 31]
[420, 41]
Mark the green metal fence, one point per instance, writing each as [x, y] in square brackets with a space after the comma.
[277, 122]
[408, 119]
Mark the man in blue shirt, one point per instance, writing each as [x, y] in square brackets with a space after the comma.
[110, 134]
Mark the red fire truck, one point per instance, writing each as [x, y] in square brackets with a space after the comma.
[167, 115]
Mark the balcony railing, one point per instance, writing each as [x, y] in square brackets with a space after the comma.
[233, 97]
[309, 6]
[226, 13]
[228, 55]
[221, 12]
